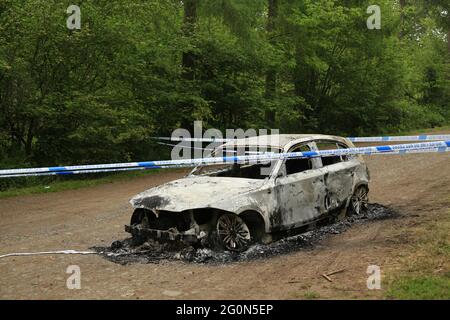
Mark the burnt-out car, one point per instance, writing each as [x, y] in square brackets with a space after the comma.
[233, 205]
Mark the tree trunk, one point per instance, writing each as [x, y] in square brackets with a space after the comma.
[402, 18]
[29, 139]
[448, 39]
[271, 75]
[299, 85]
[190, 19]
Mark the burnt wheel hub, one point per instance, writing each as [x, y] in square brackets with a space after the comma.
[233, 232]
[360, 200]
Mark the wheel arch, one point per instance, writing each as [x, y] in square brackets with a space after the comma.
[255, 221]
[356, 186]
[252, 218]
[359, 184]
[138, 214]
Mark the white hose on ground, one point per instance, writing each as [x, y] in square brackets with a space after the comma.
[17, 254]
[21, 254]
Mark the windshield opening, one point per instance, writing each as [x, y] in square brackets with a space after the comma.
[248, 170]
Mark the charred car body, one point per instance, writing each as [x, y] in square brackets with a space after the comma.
[233, 205]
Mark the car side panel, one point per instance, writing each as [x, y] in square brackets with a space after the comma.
[299, 199]
[339, 182]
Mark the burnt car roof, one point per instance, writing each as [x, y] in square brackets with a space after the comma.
[281, 140]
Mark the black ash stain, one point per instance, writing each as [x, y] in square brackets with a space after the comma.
[123, 252]
[152, 202]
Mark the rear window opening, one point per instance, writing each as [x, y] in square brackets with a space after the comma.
[326, 161]
[330, 145]
[298, 165]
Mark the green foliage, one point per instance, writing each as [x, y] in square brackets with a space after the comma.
[98, 94]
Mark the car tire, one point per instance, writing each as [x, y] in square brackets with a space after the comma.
[232, 232]
[359, 201]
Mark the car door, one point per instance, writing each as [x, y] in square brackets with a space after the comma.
[299, 191]
[339, 174]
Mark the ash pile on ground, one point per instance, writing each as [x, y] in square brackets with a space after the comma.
[123, 252]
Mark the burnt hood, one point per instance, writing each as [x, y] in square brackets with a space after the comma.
[194, 192]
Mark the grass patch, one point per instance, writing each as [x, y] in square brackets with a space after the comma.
[421, 287]
[72, 183]
[311, 295]
[429, 131]
[425, 272]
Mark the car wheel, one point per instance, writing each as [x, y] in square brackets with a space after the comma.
[232, 232]
[359, 200]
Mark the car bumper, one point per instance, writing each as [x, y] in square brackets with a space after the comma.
[162, 235]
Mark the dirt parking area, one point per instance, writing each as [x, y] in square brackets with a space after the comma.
[417, 186]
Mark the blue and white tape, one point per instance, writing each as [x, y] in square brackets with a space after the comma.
[428, 150]
[180, 139]
[439, 146]
[56, 173]
[209, 149]
[443, 137]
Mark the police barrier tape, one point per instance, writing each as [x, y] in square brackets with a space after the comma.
[440, 146]
[204, 149]
[251, 152]
[353, 139]
[54, 173]
[443, 137]
[194, 139]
